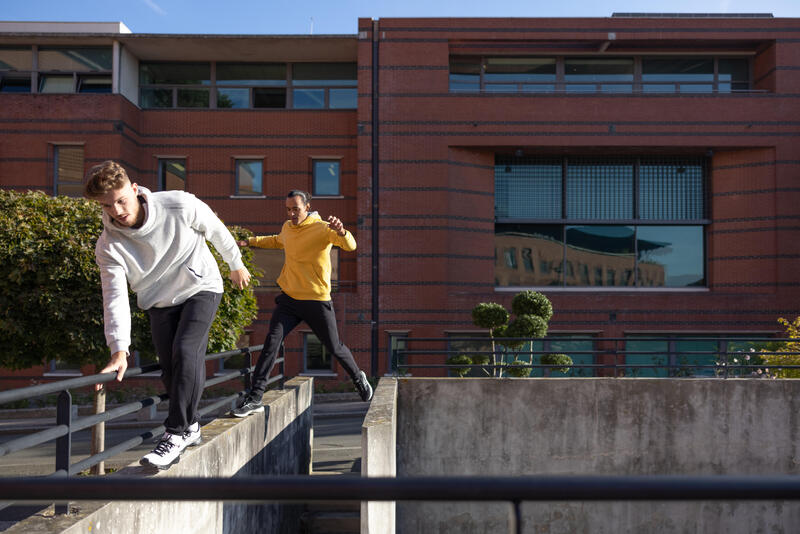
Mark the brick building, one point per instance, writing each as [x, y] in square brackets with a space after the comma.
[640, 170]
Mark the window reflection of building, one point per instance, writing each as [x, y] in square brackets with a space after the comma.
[543, 260]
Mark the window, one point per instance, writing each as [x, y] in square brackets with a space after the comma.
[60, 70]
[579, 347]
[604, 222]
[325, 177]
[168, 85]
[249, 177]
[172, 174]
[316, 358]
[324, 85]
[398, 342]
[682, 74]
[68, 180]
[245, 85]
[472, 344]
[660, 355]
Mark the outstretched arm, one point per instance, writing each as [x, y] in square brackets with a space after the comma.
[343, 238]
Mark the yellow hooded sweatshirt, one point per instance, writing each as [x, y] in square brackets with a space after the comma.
[306, 273]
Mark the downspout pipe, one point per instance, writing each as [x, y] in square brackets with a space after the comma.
[375, 212]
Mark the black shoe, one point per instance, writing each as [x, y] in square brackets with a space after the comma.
[362, 386]
[250, 404]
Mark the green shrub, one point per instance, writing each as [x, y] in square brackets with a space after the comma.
[515, 369]
[557, 359]
[460, 359]
[489, 315]
[532, 303]
[51, 304]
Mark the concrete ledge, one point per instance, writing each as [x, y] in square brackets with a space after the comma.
[277, 441]
[378, 456]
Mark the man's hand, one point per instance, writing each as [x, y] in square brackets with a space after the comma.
[243, 243]
[336, 225]
[118, 363]
[240, 278]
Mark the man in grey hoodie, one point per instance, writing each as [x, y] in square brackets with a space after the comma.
[156, 242]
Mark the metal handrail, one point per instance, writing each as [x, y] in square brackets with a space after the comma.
[65, 425]
[306, 488]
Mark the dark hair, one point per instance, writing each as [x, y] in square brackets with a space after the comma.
[302, 194]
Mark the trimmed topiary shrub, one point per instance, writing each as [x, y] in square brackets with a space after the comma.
[557, 359]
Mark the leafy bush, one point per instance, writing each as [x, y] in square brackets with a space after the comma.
[515, 369]
[532, 303]
[489, 315]
[557, 359]
[792, 332]
[460, 359]
[51, 304]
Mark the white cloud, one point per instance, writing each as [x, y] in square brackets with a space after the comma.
[155, 7]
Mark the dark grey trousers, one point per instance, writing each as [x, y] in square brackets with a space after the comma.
[289, 312]
[180, 335]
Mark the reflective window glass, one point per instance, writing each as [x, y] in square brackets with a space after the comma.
[510, 69]
[343, 98]
[16, 59]
[678, 70]
[579, 348]
[269, 98]
[193, 98]
[156, 98]
[528, 190]
[75, 59]
[249, 177]
[326, 178]
[542, 249]
[592, 70]
[670, 256]
[465, 74]
[734, 74]
[175, 73]
[251, 74]
[12, 84]
[324, 74]
[316, 357]
[172, 174]
[238, 98]
[94, 84]
[397, 344]
[69, 163]
[56, 84]
[671, 190]
[599, 190]
[308, 98]
[649, 356]
[593, 250]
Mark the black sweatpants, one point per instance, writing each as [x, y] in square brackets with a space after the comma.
[180, 335]
[288, 313]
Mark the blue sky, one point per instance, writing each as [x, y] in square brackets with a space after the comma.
[340, 16]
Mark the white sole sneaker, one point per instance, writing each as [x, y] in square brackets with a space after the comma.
[166, 453]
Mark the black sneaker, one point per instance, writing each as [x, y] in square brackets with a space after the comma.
[250, 404]
[362, 386]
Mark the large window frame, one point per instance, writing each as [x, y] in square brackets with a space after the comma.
[581, 202]
[262, 91]
[172, 174]
[44, 72]
[68, 172]
[592, 74]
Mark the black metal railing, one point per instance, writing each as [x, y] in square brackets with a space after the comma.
[65, 426]
[607, 356]
[513, 490]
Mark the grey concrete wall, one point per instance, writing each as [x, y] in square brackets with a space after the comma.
[599, 427]
[275, 442]
[378, 457]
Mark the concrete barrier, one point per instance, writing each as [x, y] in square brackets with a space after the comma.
[275, 442]
[599, 427]
[378, 458]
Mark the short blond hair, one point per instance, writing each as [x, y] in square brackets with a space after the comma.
[103, 178]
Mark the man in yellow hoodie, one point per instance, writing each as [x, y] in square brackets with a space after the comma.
[305, 283]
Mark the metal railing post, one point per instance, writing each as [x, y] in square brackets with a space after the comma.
[64, 443]
[282, 368]
[515, 520]
[248, 377]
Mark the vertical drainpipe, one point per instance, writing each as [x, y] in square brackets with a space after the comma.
[115, 67]
[375, 211]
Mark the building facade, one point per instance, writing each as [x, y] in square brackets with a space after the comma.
[642, 171]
